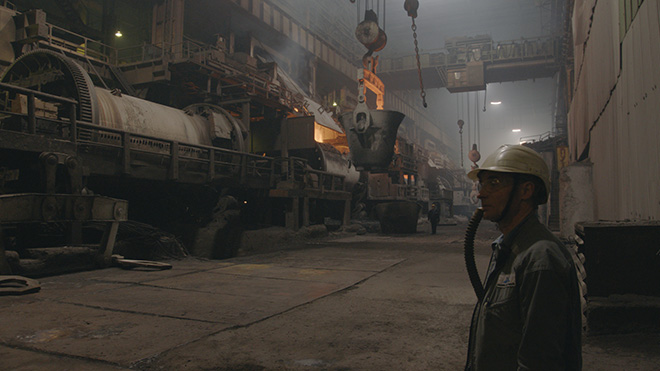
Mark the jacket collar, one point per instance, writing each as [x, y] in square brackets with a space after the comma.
[506, 242]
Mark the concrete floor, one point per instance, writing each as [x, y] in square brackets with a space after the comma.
[348, 302]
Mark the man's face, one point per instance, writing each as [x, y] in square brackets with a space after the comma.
[494, 192]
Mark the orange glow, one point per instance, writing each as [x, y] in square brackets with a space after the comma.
[329, 136]
[318, 134]
[323, 134]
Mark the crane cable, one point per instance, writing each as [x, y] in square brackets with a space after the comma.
[411, 7]
[419, 65]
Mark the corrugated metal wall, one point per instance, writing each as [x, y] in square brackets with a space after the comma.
[614, 118]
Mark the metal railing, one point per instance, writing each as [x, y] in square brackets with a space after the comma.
[215, 163]
[8, 4]
[297, 170]
[178, 157]
[208, 55]
[140, 53]
[188, 50]
[493, 52]
[79, 44]
[537, 138]
[11, 91]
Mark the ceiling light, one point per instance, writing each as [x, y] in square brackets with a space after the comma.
[516, 130]
[334, 104]
[118, 34]
[496, 103]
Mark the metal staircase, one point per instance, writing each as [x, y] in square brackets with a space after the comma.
[125, 86]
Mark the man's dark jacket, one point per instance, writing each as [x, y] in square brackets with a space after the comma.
[530, 317]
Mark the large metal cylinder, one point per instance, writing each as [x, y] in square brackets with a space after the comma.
[201, 124]
[140, 116]
[336, 163]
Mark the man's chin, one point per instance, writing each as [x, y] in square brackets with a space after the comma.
[489, 214]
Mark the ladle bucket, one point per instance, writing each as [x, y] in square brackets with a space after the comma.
[371, 136]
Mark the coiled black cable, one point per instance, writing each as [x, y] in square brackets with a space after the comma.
[468, 248]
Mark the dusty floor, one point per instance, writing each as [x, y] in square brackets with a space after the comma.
[368, 302]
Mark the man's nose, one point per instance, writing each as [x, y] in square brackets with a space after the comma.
[480, 194]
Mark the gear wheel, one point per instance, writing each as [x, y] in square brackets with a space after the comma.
[56, 74]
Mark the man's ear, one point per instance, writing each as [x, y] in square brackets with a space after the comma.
[527, 190]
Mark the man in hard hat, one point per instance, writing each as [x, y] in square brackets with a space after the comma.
[530, 315]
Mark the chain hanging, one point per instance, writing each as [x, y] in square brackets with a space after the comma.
[411, 7]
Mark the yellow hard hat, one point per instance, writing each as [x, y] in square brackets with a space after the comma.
[517, 159]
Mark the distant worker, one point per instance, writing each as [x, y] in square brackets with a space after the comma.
[434, 217]
[530, 315]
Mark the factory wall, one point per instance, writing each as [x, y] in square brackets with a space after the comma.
[614, 117]
[269, 12]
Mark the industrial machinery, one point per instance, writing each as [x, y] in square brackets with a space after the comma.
[49, 223]
[238, 155]
[173, 166]
[393, 193]
[371, 138]
[56, 74]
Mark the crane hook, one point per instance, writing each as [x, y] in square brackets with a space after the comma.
[411, 7]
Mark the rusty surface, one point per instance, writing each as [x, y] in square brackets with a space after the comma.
[17, 285]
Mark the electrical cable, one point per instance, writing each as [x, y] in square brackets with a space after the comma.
[378, 7]
[469, 123]
[477, 124]
[468, 250]
[485, 95]
[458, 114]
[384, 14]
